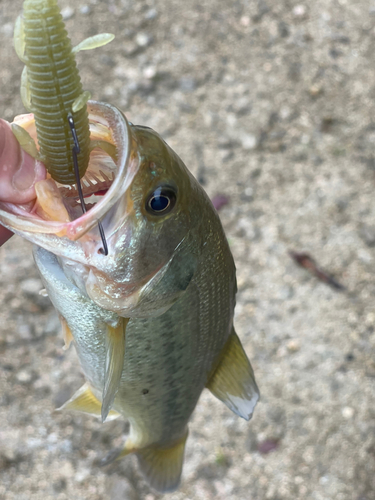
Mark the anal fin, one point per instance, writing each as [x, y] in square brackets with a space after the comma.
[114, 364]
[85, 401]
[233, 380]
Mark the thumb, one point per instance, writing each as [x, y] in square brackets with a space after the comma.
[18, 170]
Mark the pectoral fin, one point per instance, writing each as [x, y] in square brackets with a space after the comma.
[233, 379]
[85, 401]
[171, 281]
[114, 364]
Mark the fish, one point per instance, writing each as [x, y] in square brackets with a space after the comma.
[151, 321]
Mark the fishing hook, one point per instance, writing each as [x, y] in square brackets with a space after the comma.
[76, 150]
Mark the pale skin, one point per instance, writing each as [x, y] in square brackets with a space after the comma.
[18, 172]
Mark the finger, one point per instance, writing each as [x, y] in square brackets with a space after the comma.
[18, 170]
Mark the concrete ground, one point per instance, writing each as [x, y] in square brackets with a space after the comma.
[270, 104]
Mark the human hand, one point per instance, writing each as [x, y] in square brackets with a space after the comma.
[18, 174]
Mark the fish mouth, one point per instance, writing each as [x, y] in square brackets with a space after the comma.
[56, 210]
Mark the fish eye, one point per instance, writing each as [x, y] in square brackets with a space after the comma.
[161, 201]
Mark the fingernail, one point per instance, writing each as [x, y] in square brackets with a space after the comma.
[24, 178]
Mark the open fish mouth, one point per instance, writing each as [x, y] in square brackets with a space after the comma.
[56, 209]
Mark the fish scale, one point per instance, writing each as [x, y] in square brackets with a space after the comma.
[161, 368]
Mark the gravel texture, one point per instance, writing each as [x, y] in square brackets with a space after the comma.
[271, 105]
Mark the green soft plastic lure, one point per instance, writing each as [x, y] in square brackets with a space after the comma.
[51, 88]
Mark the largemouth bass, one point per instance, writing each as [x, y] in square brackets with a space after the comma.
[152, 322]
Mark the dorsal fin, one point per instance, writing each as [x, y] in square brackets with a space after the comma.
[233, 380]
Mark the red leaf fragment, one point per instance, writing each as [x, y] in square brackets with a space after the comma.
[219, 201]
[268, 445]
[306, 261]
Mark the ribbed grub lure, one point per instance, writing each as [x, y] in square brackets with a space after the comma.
[51, 89]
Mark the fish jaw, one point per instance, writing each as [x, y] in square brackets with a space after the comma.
[39, 218]
[107, 124]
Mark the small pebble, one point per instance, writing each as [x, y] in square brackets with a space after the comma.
[293, 346]
[364, 256]
[299, 11]
[315, 90]
[25, 331]
[82, 475]
[143, 39]
[226, 155]
[85, 9]
[370, 319]
[24, 377]
[249, 192]
[187, 84]
[245, 21]
[242, 106]
[248, 141]
[31, 286]
[8, 454]
[347, 412]
[67, 13]
[149, 72]
[151, 14]
[7, 29]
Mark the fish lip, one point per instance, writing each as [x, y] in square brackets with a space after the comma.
[22, 222]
